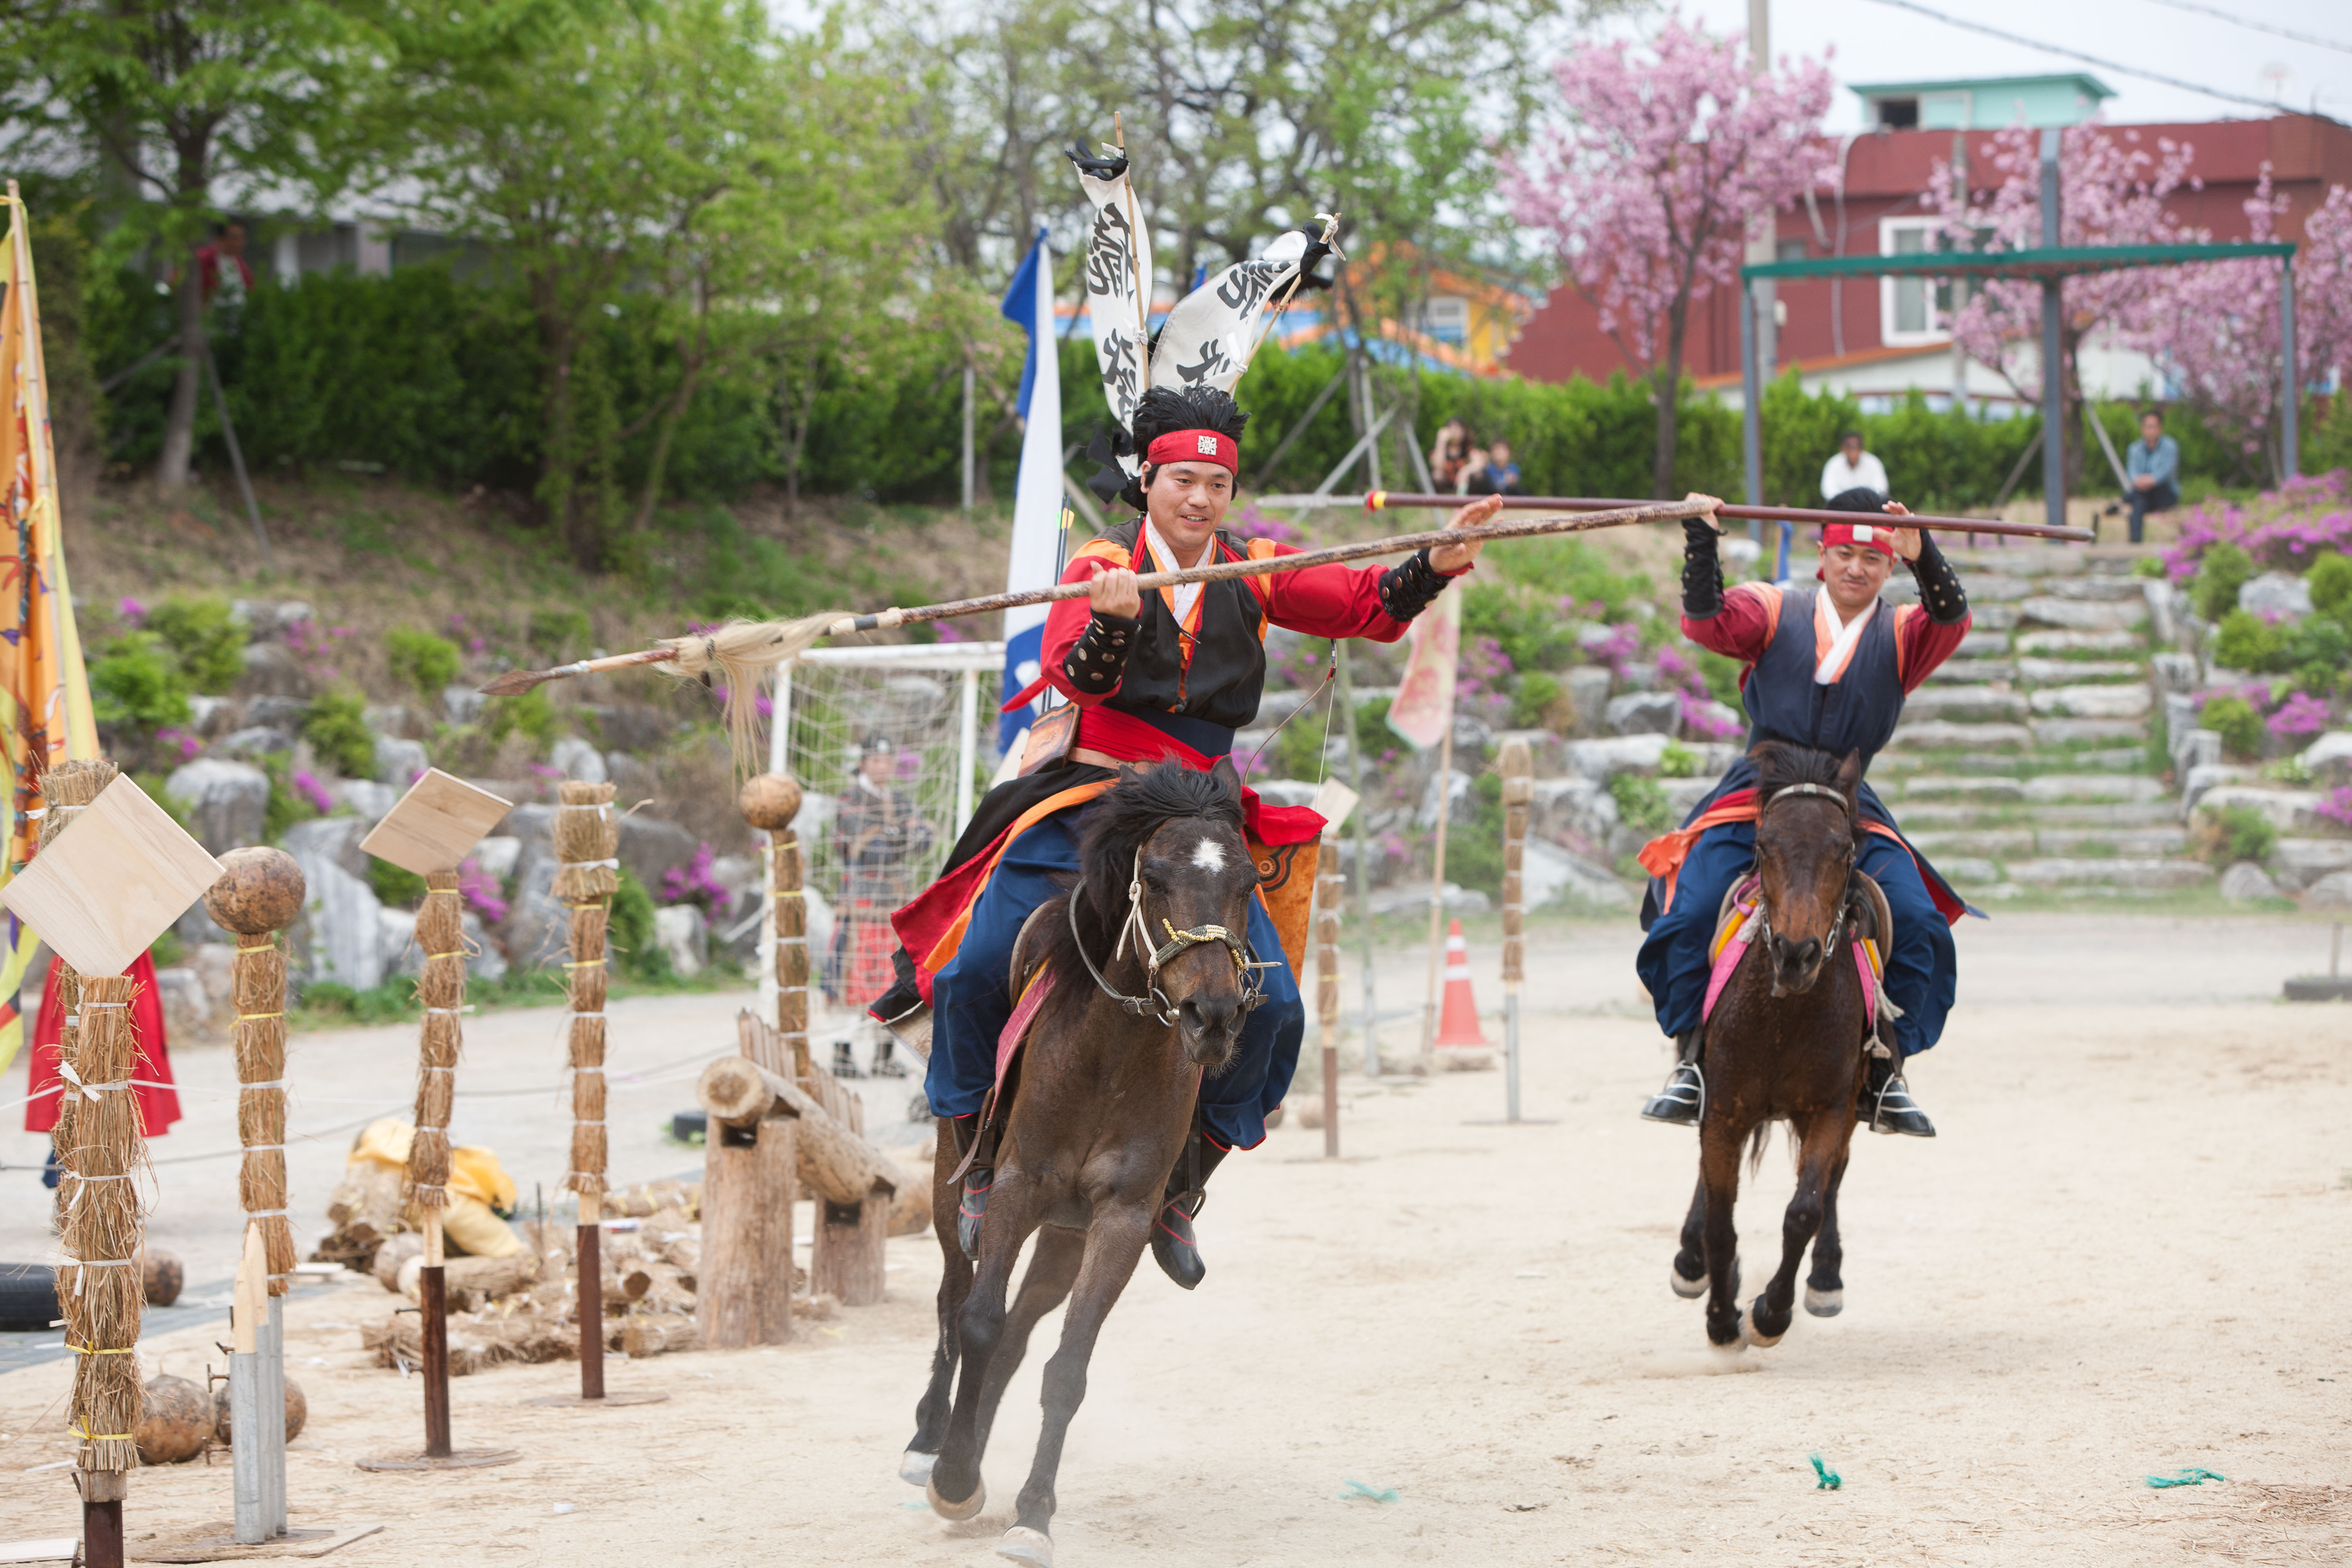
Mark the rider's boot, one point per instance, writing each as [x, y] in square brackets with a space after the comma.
[1171, 1233]
[844, 1060]
[1888, 1100]
[1686, 1091]
[972, 1201]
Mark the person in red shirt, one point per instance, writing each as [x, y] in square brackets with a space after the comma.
[227, 248]
[1827, 668]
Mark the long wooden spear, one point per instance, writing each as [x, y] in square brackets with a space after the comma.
[1390, 500]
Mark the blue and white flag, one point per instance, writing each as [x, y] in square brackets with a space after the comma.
[1037, 495]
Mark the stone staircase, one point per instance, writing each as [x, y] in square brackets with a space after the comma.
[2031, 762]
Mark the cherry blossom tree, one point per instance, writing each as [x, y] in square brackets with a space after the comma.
[2215, 328]
[1647, 186]
[2111, 191]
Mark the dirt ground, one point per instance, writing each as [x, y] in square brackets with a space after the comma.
[2118, 1259]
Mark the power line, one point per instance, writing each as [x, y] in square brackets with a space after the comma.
[2253, 26]
[2078, 55]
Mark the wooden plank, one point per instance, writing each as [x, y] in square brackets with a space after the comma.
[436, 824]
[113, 881]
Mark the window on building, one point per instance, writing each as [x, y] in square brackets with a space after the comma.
[1897, 113]
[1913, 310]
[1789, 250]
[1446, 317]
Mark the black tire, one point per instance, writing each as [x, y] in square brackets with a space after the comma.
[28, 1297]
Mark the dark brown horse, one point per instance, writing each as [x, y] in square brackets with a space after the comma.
[1785, 1043]
[1150, 989]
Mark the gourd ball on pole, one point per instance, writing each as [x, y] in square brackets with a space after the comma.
[770, 801]
[260, 890]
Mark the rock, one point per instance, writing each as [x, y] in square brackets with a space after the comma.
[2140, 841]
[195, 929]
[214, 963]
[2067, 671]
[1576, 812]
[1942, 735]
[577, 760]
[1984, 588]
[2080, 616]
[2084, 731]
[2081, 642]
[2002, 844]
[1981, 645]
[2143, 875]
[340, 934]
[680, 931]
[253, 740]
[2131, 702]
[2094, 787]
[1988, 791]
[536, 928]
[1642, 712]
[2109, 587]
[496, 857]
[1972, 671]
[1973, 704]
[1455, 898]
[2288, 810]
[1460, 805]
[2329, 757]
[2304, 861]
[367, 799]
[1549, 872]
[272, 670]
[188, 1010]
[1601, 760]
[1970, 870]
[1719, 718]
[1274, 792]
[1994, 618]
[399, 763]
[2173, 672]
[390, 719]
[335, 839]
[2163, 608]
[2333, 892]
[651, 848]
[1682, 795]
[2198, 751]
[2276, 596]
[226, 802]
[209, 716]
[2246, 880]
[1587, 686]
[643, 727]
[463, 704]
[1637, 675]
[631, 779]
[2205, 777]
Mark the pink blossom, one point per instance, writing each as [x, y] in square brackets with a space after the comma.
[187, 745]
[2301, 714]
[132, 610]
[2337, 805]
[694, 883]
[480, 891]
[2288, 528]
[1251, 524]
[1700, 717]
[305, 784]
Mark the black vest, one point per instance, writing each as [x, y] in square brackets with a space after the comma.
[1226, 675]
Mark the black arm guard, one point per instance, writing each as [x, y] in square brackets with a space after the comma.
[1947, 603]
[1702, 570]
[1098, 660]
[1409, 589]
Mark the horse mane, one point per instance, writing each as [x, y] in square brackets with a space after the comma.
[1782, 763]
[1122, 819]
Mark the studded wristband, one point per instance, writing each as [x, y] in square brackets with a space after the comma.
[1702, 570]
[1947, 603]
[1098, 660]
[1409, 589]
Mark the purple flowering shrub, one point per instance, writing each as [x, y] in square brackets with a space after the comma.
[480, 891]
[2337, 805]
[2300, 715]
[1251, 524]
[2284, 530]
[306, 783]
[693, 883]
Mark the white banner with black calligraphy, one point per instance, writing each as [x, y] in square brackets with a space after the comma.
[1118, 255]
[1209, 337]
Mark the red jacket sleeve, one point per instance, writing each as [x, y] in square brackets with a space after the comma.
[1920, 644]
[1067, 620]
[1743, 628]
[1331, 601]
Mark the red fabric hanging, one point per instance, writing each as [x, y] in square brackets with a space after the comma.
[158, 1107]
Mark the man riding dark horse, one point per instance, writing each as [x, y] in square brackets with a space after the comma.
[1170, 676]
[1826, 667]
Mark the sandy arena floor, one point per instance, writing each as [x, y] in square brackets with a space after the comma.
[2116, 1260]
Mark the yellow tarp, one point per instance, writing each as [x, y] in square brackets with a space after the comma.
[477, 1183]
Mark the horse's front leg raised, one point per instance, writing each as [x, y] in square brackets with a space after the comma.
[1825, 1285]
[1820, 1149]
[1114, 1242]
[1718, 1178]
[955, 1284]
[955, 1490]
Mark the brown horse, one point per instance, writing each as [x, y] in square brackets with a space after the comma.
[1786, 1043]
[1106, 1085]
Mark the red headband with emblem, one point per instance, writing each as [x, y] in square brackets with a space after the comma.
[1196, 447]
[1875, 535]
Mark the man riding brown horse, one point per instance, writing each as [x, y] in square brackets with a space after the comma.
[1826, 667]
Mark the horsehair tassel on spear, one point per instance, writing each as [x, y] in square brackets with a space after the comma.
[1384, 500]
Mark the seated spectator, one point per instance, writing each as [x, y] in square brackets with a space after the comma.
[1852, 469]
[1491, 472]
[2152, 463]
[1447, 459]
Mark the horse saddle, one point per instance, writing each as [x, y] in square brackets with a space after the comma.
[1870, 934]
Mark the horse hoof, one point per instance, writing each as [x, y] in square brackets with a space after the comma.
[1688, 1289]
[1024, 1544]
[957, 1511]
[1824, 1303]
[1750, 1334]
[915, 1469]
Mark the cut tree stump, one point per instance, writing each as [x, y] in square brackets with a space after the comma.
[744, 1294]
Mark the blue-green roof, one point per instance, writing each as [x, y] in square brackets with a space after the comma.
[2083, 82]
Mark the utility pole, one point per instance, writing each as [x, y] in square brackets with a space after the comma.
[2054, 348]
[1763, 248]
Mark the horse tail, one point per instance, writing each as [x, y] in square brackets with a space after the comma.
[1756, 1142]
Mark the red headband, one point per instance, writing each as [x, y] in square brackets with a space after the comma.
[1196, 447]
[1876, 536]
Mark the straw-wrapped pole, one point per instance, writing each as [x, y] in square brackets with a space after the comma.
[66, 791]
[258, 894]
[770, 802]
[100, 1285]
[588, 873]
[441, 934]
[1516, 764]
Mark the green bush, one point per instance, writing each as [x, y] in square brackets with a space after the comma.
[137, 683]
[337, 728]
[1677, 761]
[1474, 849]
[1531, 703]
[2248, 642]
[2235, 721]
[559, 634]
[630, 931]
[1640, 802]
[394, 885]
[2223, 569]
[427, 662]
[2318, 649]
[287, 805]
[2243, 834]
[532, 713]
[2331, 585]
[206, 636]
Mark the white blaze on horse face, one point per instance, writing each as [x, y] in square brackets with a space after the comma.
[1208, 855]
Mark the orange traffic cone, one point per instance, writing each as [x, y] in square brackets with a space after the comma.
[1457, 1026]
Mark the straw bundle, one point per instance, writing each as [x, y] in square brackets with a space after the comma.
[441, 933]
[259, 1041]
[792, 946]
[66, 789]
[588, 873]
[738, 656]
[100, 1290]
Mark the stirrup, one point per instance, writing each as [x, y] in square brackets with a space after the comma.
[1897, 1113]
[1684, 1100]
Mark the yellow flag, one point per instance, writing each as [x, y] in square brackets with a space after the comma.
[44, 709]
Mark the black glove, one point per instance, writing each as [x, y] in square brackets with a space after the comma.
[1098, 660]
[1702, 570]
[1109, 166]
[1941, 593]
[1407, 590]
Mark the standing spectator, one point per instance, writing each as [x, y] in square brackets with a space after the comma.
[1450, 456]
[1492, 472]
[230, 283]
[881, 846]
[1852, 469]
[2152, 463]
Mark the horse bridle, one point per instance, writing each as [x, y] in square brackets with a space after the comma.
[1836, 933]
[1154, 1001]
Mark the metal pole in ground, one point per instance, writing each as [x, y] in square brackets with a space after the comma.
[2054, 348]
[1516, 764]
[1437, 887]
[1363, 883]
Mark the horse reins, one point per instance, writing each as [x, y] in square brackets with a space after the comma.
[1836, 933]
[1155, 1002]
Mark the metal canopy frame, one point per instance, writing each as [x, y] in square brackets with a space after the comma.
[2047, 264]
